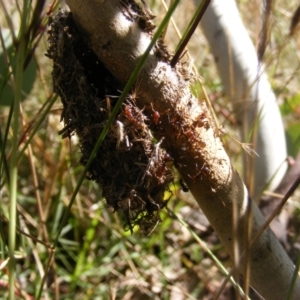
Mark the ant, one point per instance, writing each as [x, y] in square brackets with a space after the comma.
[133, 117]
[203, 171]
[191, 135]
[128, 113]
[202, 121]
[155, 115]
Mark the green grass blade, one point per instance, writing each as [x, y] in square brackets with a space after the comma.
[14, 154]
[210, 253]
[295, 275]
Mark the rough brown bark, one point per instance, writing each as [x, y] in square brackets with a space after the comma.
[189, 136]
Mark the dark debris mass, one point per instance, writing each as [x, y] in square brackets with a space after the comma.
[130, 167]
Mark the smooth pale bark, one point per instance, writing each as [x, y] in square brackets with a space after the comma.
[247, 88]
[190, 137]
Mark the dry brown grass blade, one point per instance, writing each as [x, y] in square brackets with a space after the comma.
[295, 21]
[265, 32]
[189, 34]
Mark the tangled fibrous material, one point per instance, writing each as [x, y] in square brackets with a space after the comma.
[130, 166]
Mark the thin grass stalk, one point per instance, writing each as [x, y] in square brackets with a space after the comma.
[261, 231]
[8, 20]
[277, 210]
[3, 159]
[163, 35]
[4, 168]
[205, 95]
[38, 125]
[190, 30]
[47, 268]
[246, 271]
[34, 247]
[293, 283]
[266, 28]
[22, 232]
[81, 260]
[7, 74]
[253, 139]
[14, 154]
[42, 227]
[235, 245]
[55, 188]
[204, 247]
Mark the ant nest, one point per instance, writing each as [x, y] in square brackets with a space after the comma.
[130, 167]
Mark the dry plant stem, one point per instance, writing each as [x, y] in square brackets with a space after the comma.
[265, 33]
[283, 201]
[288, 194]
[42, 224]
[188, 36]
[272, 206]
[189, 137]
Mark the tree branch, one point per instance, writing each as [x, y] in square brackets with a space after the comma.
[189, 136]
[247, 88]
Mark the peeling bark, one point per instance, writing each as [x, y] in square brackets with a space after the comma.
[189, 136]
